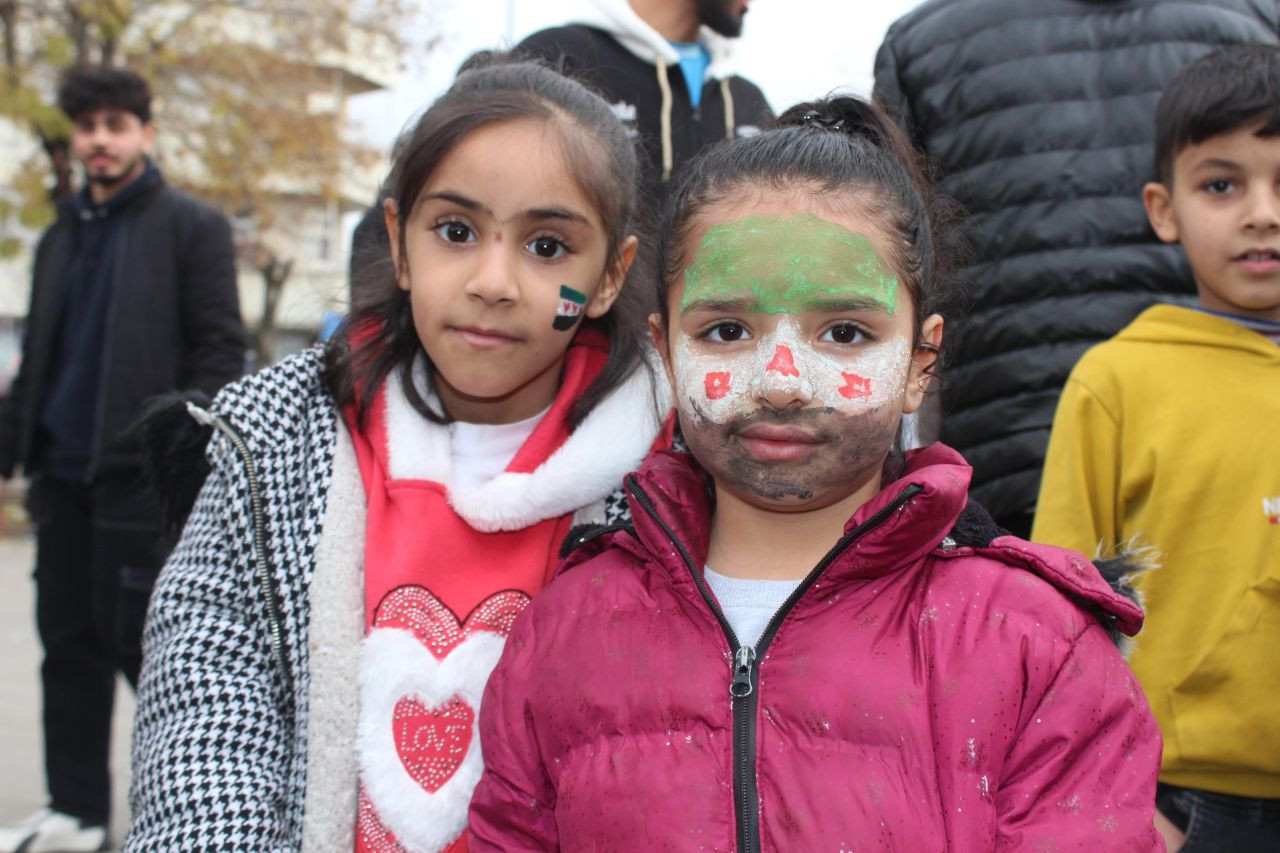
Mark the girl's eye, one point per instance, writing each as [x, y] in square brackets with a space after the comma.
[547, 248]
[1219, 186]
[844, 333]
[725, 333]
[455, 232]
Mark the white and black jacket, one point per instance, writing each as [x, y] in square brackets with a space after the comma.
[245, 731]
[611, 49]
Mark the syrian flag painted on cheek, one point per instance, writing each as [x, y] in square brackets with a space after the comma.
[569, 309]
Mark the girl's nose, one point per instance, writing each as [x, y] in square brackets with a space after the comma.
[779, 380]
[493, 279]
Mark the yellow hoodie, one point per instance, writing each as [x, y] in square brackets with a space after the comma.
[1169, 435]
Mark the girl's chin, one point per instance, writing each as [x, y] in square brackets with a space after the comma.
[486, 402]
[795, 495]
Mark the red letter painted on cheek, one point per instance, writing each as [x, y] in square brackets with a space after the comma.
[717, 384]
[783, 362]
[855, 387]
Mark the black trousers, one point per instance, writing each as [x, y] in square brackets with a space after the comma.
[1221, 823]
[97, 555]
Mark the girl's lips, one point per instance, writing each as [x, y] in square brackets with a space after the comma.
[484, 338]
[769, 443]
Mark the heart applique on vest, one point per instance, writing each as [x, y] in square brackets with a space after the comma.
[422, 674]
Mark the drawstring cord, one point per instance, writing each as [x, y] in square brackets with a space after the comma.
[665, 122]
[665, 86]
[728, 107]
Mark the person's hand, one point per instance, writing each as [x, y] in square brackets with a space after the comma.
[1173, 837]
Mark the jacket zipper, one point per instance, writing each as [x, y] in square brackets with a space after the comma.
[109, 339]
[746, 659]
[261, 567]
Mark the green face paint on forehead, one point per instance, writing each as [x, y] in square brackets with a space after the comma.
[787, 264]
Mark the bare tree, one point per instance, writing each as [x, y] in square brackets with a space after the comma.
[248, 92]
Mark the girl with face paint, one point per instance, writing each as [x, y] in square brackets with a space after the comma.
[809, 640]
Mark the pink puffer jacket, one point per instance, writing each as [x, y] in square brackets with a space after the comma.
[912, 695]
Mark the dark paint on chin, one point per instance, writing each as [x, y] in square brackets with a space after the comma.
[852, 452]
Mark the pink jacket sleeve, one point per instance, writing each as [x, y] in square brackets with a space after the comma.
[513, 808]
[1082, 771]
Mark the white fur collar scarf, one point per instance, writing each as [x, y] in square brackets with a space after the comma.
[610, 442]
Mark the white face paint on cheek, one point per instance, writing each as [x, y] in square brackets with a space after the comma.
[712, 386]
[875, 376]
[718, 387]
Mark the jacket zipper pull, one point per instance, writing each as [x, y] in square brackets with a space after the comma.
[742, 661]
[199, 415]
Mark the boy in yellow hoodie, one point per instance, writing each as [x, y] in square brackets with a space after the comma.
[1168, 435]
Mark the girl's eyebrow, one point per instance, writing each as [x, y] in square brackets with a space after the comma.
[553, 213]
[719, 306]
[532, 214]
[836, 305]
[846, 303]
[456, 198]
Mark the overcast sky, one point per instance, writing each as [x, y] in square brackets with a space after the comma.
[794, 49]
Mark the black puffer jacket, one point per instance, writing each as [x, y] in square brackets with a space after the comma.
[1039, 115]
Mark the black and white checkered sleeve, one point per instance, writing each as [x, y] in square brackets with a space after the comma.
[211, 755]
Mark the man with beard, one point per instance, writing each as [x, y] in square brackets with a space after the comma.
[133, 295]
[667, 68]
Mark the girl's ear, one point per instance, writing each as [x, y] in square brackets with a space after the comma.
[1159, 203]
[658, 334]
[612, 280]
[924, 357]
[391, 216]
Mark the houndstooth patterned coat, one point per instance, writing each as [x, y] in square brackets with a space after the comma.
[220, 748]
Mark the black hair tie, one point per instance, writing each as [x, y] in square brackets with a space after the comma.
[815, 118]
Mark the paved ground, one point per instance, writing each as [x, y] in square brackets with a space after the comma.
[21, 755]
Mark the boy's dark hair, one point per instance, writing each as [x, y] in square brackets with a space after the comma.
[1230, 88]
[93, 87]
[378, 336]
[844, 150]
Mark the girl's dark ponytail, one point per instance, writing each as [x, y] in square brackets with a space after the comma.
[852, 116]
[860, 119]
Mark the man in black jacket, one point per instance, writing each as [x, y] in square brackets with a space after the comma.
[1040, 117]
[133, 294]
[667, 68]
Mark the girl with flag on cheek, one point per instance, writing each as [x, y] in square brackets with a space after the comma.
[381, 509]
[809, 640]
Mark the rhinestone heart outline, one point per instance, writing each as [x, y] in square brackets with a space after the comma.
[420, 648]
